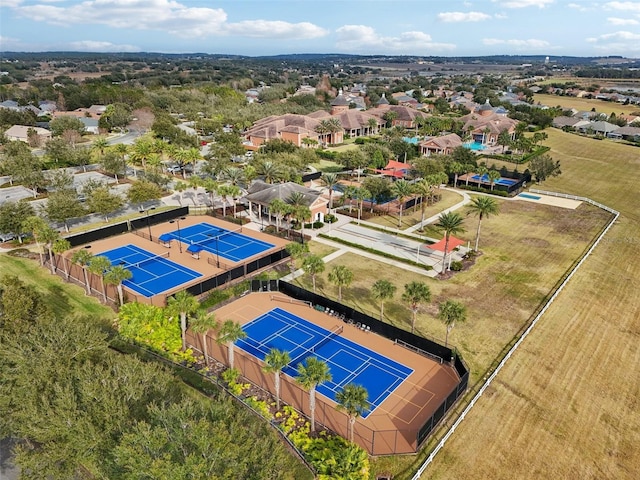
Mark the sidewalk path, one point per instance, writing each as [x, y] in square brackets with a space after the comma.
[465, 200]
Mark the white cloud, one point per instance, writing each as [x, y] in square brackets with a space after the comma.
[451, 17]
[624, 6]
[579, 7]
[10, 3]
[622, 21]
[275, 29]
[361, 38]
[621, 36]
[530, 43]
[164, 15]
[525, 3]
[97, 46]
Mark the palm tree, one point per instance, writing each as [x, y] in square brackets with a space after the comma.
[295, 250]
[330, 180]
[201, 323]
[416, 293]
[451, 312]
[100, 145]
[229, 333]
[389, 117]
[140, 152]
[224, 191]
[482, 207]
[353, 399]
[184, 304]
[278, 208]
[493, 176]
[424, 189]
[312, 373]
[60, 246]
[481, 171]
[49, 236]
[275, 361]
[340, 276]
[303, 215]
[313, 265]
[456, 168]
[35, 225]
[233, 175]
[401, 189]
[271, 171]
[362, 195]
[383, 290]
[372, 123]
[99, 266]
[451, 223]
[115, 276]
[82, 257]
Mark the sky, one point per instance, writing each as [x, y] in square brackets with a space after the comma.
[371, 27]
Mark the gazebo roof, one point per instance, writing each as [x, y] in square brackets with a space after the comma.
[453, 244]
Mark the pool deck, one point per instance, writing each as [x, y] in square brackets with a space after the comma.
[548, 200]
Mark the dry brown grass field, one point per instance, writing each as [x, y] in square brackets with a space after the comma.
[525, 250]
[585, 104]
[567, 404]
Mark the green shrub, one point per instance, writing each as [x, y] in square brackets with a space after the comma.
[330, 218]
[259, 406]
[456, 265]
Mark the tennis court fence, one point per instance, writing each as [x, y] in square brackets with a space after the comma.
[376, 442]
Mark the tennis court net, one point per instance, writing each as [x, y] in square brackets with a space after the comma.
[229, 232]
[154, 258]
[335, 331]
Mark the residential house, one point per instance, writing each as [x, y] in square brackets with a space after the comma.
[629, 133]
[485, 125]
[440, 145]
[562, 122]
[289, 127]
[21, 133]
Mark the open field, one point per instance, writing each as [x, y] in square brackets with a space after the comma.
[566, 405]
[500, 291]
[585, 104]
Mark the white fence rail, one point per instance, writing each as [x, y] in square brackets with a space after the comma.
[477, 396]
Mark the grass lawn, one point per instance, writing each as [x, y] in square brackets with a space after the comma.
[584, 104]
[63, 297]
[412, 217]
[566, 405]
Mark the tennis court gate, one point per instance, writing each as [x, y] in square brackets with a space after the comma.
[376, 442]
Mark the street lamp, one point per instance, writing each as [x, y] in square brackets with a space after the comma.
[177, 221]
[148, 223]
[217, 255]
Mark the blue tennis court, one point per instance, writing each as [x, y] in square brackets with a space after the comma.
[348, 362]
[228, 244]
[152, 274]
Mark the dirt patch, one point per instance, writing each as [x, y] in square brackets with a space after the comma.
[535, 242]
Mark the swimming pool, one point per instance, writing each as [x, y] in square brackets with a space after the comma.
[475, 146]
[501, 181]
[529, 196]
